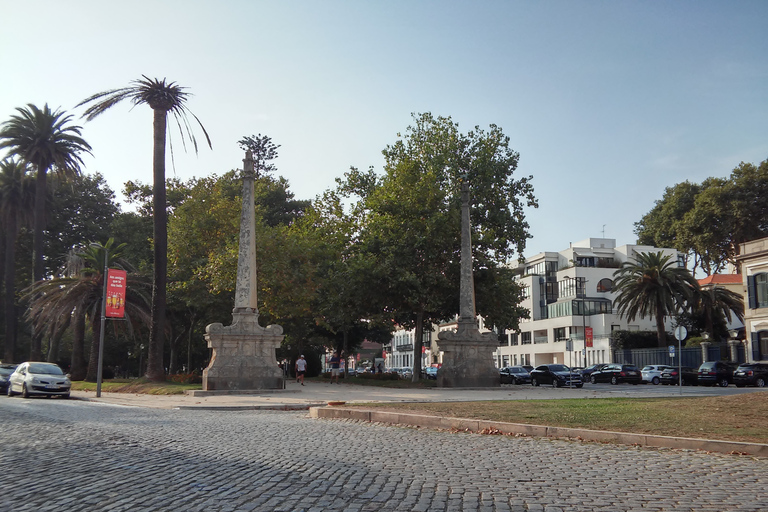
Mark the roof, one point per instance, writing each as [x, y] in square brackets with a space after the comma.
[721, 279]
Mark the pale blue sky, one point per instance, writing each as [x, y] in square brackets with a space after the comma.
[608, 102]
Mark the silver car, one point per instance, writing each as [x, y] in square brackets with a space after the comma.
[652, 373]
[36, 378]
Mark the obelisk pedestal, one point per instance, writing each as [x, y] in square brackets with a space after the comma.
[244, 354]
[467, 352]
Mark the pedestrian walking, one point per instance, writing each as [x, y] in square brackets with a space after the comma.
[335, 362]
[301, 368]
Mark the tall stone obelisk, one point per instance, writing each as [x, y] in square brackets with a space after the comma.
[244, 353]
[467, 352]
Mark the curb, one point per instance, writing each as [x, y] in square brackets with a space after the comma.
[272, 407]
[479, 426]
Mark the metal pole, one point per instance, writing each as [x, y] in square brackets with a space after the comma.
[103, 318]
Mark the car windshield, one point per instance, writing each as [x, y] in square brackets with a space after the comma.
[518, 370]
[558, 368]
[45, 368]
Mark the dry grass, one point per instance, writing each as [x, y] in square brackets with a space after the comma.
[741, 417]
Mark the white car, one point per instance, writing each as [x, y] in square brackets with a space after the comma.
[652, 373]
[37, 378]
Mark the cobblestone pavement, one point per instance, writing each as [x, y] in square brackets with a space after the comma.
[61, 455]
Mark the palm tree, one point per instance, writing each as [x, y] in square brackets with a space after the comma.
[80, 296]
[47, 141]
[162, 97]
[652, 286]
[716, 303]
[17, 198]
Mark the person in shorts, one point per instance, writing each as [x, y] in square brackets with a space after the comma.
[301, 369]
[335, 364]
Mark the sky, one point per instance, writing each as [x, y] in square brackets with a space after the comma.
[607, 102]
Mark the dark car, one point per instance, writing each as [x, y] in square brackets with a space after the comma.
[671, 376]
[716, 372]
[751, 374]
[431, 372]
[514, 375]
[5, 371]
[586, 372]
[616, 373]
[558, 375]
[527, 367]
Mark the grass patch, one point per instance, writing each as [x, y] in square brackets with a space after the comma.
[727, 418]
[143, 386]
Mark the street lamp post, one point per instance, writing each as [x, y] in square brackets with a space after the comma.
[103, 319]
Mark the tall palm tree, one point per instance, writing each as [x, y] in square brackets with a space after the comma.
[81, 295]
[652, 286]
[716, 303]
[17, 198]
[48, 141]
[163, 98]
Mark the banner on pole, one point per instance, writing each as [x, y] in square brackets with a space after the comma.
[588, 336]
[116, 280]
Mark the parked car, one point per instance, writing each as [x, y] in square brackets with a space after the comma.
[751, 374]
[36, 378]
[514, 375]
[671, 376]
[527, 367]
[716, 372]
[652, 373]
[558, 375]
[431, 372]
[5, 371]
[586, 372]
[616, 373]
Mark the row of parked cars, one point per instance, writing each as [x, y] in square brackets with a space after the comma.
[711, 373]
[34, 378]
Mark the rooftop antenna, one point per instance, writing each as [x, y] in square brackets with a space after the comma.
[603, 230]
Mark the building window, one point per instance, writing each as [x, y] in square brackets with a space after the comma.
[605, 285]
[525, 292]
[560, 334]
[513, 339]
[757, 290]
[525, 338]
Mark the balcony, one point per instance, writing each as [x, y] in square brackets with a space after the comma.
[404, 348]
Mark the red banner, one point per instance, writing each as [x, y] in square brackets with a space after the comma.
[588, 336]
[116, 280]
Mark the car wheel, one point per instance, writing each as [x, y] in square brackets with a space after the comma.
[10, 391]
[579, 385]
[24, 392]
[65, 396]
[723, 383]
[555, 383]
[534, 382]
[759, 382]
[655, 381]
[614, 380]
[592, 379]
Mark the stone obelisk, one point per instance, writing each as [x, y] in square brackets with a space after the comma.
[467, 352]
[244, 353]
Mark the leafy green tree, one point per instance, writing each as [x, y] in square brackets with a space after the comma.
[652, 286]
[48, 141]
[263, 150]
[81, 295]
[17, 199]
[411, 223]
[163, 98]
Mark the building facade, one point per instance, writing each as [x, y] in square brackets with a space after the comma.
[569, 295]
[753, 260]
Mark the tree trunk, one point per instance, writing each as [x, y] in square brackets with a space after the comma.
[61, 327]
[661, 335]
[155, 368]
[35, 352]
[10, 290]
[93, 360]
[77, 365]
[417, 344]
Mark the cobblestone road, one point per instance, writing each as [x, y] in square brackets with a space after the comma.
[63, 455]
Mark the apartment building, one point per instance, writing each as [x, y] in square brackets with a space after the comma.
[753, 260]
[570, 298]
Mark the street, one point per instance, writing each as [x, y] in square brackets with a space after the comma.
[64, 455]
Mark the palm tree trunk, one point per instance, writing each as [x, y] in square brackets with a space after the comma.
[77, 365]
[93, 360]
[53, 350]
[39, 268]
[155, 369]
[10, 289]
[661, 334]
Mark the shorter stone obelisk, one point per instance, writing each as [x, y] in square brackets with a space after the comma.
[244, 353]
[467, 352]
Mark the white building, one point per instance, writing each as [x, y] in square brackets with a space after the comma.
[753, 259]
[399, 353]
[569, 293]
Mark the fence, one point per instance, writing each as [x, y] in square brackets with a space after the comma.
[690, 356]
